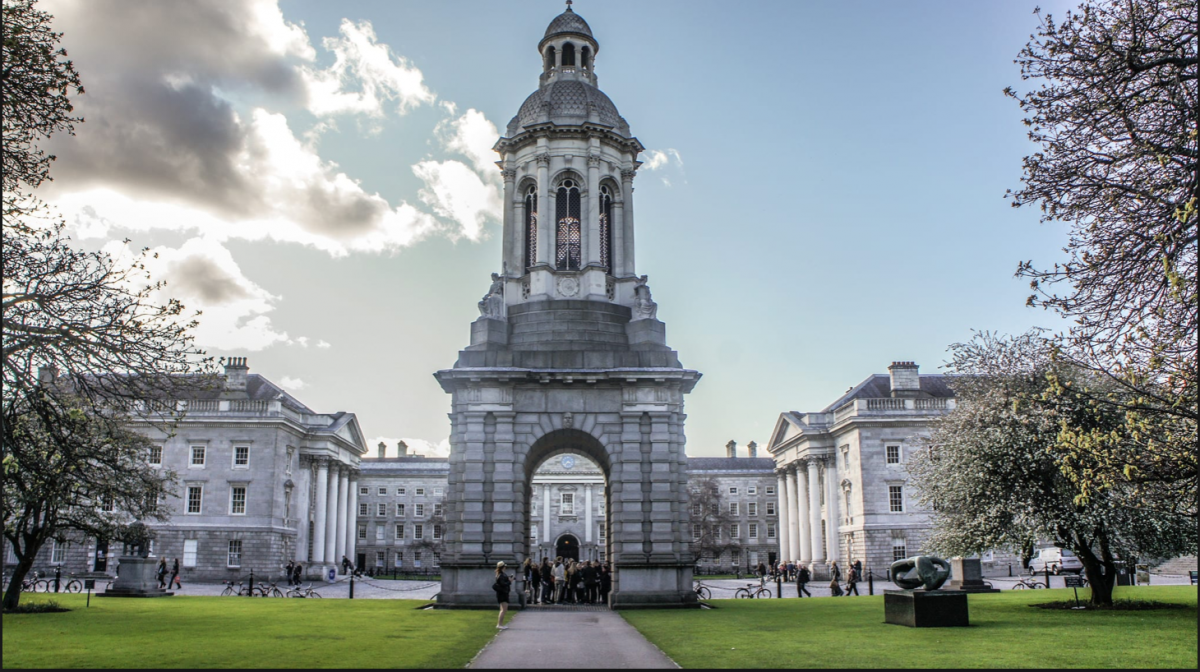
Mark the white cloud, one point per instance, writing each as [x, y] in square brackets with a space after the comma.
[323, 345]
[656, 159]
[415, 446]
[292, 384]
[363, 76]
[457, 193]
[472, 136]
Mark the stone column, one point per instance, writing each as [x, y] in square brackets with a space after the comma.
[519, 242]
[627, 218]
[352, 518]
[618, 240]
[507, 507]
[545, 220]
[546, 515]
[300, 510]
[321, 512]
[587, 515]
[591, 238]
[511, 227]
[831, 508]
[343, 504]
[784, 506]
[331, 524]
[814, 511]
[793, 548]
[801, 521]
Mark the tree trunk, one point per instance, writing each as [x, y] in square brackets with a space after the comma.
[12, 593]
[1100, 575]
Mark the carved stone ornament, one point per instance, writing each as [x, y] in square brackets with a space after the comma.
[509, 174]
[644, 307]
[922, 570]
[492, 303]
[568, 420]
[568, 286]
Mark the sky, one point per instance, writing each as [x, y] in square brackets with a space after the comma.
[822, 193]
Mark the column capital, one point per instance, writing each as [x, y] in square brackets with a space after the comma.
[509, 174]
[543, 159]
[627, 174]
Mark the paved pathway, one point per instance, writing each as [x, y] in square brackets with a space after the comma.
[543, 639]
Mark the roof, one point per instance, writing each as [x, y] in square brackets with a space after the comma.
[567, 102]
[409, 464]
[568, 22]
[731, 464]
[879, 386]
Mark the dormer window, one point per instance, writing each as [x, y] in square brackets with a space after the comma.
[568, 233]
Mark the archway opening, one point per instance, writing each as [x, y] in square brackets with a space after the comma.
[567, 547]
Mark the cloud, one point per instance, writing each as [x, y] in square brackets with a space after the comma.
[377, 74]
[203, 275]
[457, 193]
[472, 136]
[292, 384]
[656, 159]
[415, 446]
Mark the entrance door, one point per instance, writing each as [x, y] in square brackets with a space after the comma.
[568, 547]
[361, 559]
[101, 564]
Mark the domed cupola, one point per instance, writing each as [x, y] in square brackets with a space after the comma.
[568, 23]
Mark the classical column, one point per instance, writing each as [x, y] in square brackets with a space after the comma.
[321, 511]
[784, 506]
[545, 217]
[814, 511]
[331, 524]
[592, 230]
[793, 549]
[511, 226]
[627, 218]
[801, 521]
[618, 239]
[352, 518]
[546, 516]
[587, 516]
[831, 508]
[343, 504]
[300, 508]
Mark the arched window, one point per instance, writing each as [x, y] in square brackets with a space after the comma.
[568, 54]
[550, 58]
[568, 234]
[585, 57]
[606, 200]
[531, 216]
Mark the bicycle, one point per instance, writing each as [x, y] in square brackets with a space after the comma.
[1029, 582]
[303, 591]
[266, 589]
[703, 592]
[752, 591]
[231, 591]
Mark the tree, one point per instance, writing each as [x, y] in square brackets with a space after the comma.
[991, 472]
[710, 520]
[1115, 115]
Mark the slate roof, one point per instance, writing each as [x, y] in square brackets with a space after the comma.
[731, 464]
[879, 386]
[568, 22]
[569, 101]
[408, 465]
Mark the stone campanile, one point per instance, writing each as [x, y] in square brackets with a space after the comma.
[568, 354]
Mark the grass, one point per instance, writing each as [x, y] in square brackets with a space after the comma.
[1005, 632]
[187, 632]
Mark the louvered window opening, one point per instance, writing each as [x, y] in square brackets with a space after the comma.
[569, 236]
[606, 229]
[530, 228]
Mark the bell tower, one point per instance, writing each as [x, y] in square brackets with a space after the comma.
[568, 354]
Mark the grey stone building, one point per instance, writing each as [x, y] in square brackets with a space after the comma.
[842, 483]
[400, 523]
[748, 492]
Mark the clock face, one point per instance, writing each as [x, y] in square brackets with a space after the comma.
[568, 461]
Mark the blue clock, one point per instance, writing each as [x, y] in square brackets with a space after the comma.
[568, 461]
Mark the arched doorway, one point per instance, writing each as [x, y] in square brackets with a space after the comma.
[567, 547]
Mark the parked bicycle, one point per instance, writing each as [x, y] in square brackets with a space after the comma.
[1029, 582]
[752, 591]
[703, 592]
[234, 588]
[268, 589]
[303, 591]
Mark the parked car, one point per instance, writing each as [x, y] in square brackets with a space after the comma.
[1057, 560]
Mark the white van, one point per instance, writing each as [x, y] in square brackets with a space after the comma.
[1057, 560]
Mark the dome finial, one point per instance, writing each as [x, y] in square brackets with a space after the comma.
[569, 3]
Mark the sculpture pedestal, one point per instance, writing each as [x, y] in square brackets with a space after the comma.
[967, 576]
[926, 608]
[136, 578]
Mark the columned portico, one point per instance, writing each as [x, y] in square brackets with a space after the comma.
[343, 506]
[814, 511]
[302, 509]
[331, 517]
[793, 549]
[802, 527]
[321, 513]
[831, 510]
[785, 506]
[351, 513]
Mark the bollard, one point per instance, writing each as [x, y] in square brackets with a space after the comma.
[1010, 570]
[1047, 576]
[778, 586]
[250, 593]
[870, 582]
[352, 585]
[57, 576]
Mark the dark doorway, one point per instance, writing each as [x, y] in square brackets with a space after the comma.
[361, 559]
[568, 547]
[772, 561]
[101, 564]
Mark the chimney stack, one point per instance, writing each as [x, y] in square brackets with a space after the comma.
[753, 448]
[401, 449]
[235, 374]
[382, 450]
[906, 381]
[731, 449]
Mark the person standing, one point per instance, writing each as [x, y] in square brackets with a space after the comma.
[802, 578]
[502, 586]
[835, 578]
[605, 583]
[858, 569]
[288, 571]
[161, 573]
[535, 581]
[852, 581]
[560, 580]
[297, 572]
[547, 582]
[590, 582]
[175, 575]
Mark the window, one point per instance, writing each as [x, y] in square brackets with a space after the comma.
[438, 492]
[400, 510]
[531, 215]
[437, 509]
[362, 509]
[568, 54]
[752, 509]
[899, 551]
[399, 558]
[108, 503]
[156, 455]
[237, 500]
[893, 454]
[364, 491]
[603, 532]
[418, 531]
[437, 532]
[189, 552]
[381, 510]
[533, 534]
[567, 503]
[197, 457]
[896, 498]
[399, 492]
[696, 509]
[770, 489]
[362, 532]
[382, 492]
[600, 509]
[241, 457]
[568, 239]
[195, 497]
[379, 531]
[58, 552]
[235, 553]
[400, 531]
[735, 556]
[420, 492]
[419, 510]
[606, 201]
[733, 490]
[770, 508]
[752, 531]
[733, 508]
[752, 490]
[733, 531]
[380, 558]
[695, 533]
[770, 530]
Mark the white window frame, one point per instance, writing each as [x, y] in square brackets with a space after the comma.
[381, 510]
[155, 451]
[752, 531]
[734, 531]
[437, 532]
[566, 503]
[752, 490]
[58, 552]
[233, 556]
[902, 546]
[438, 509]
[887, 450]
[362, 532]
[362, 509]
[895, 498]
[233, 500]
[203, 455]
[418, 510]
[418, 531]
[400, 492]
[770, 508]
[400, 509]
[733, 509]
[438, 492]
[752, 508]
[234, 459]
[379, 533]
[420, 492]
[187, 504]
[771, 531]
[695, 532]
[770, 489]
[399, 531]
[364, 490]
[380, 559]
[733, 490]
[191, 548]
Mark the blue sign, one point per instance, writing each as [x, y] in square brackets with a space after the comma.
[331, 574]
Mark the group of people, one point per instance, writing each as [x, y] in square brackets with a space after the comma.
[293, 572]
[161, 574]
[566, 581]
[798, 572]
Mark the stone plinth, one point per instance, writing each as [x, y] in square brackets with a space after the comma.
[926, 608]
[136, 578]
[966, 574]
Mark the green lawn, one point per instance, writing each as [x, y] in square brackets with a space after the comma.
[185, 632]
[1004, 632]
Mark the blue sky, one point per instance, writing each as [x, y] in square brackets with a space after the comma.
[822, 194]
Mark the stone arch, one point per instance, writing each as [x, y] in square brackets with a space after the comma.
[557, 442]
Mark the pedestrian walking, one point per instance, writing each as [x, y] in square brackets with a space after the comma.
[297, 573]
[852, 581]
[346, 565]
[175, 575]
[161, 573]
[288, 571]
[802, 578]
[605, 583]
[501, 586]
[858, 568]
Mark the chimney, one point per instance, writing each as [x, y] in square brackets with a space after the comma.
[906, 381]
[382, 450]
[47, 375]
[401, 449]
[235, 374]
[731, 449]
[753, 448]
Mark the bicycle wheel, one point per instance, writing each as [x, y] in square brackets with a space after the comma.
[312, 593]
[704, 593]
[1019, 586]
[227, 592]
[275, 592]
[741, 593]
[44, 586]
[763, 592]
[74, 586]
